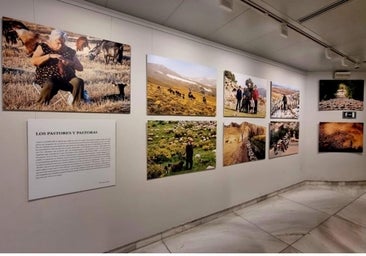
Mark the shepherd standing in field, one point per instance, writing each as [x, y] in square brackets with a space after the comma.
[55, 68]
[189, 154]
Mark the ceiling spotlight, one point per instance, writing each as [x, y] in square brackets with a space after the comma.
[284, 30]
[327, 53]
[343, 61]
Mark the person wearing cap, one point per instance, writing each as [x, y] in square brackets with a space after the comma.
[56, 64]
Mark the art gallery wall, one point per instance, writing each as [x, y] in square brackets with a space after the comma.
[328, 166]
[103, 219]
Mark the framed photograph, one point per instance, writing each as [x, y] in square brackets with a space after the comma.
[244, 142]
[341, 95]
[176, 87]
[180, 147]
[47, 69]
[284, 139]
[285, 101]
[340, 137]
[244, 95]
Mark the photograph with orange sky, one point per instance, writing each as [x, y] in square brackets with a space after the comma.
[340, 137]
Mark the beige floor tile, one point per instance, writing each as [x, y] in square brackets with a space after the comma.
[334, 236]
[355, 212]
[157, 247]
[283, 218]
[228, 234]
[323, 198]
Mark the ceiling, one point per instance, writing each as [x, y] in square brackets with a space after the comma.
[254, 26]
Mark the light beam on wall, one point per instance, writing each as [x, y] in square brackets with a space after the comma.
[284, 30]
[328, 53]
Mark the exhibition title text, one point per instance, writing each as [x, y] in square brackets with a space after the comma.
[50, 133]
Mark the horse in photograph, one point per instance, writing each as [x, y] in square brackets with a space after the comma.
[112, 51]
[14, 30]
[81, 43]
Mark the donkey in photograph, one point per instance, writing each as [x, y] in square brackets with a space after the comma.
[112, 51]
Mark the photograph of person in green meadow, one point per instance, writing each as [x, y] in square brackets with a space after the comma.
[180, 147]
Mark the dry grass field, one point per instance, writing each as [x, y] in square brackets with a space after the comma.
[161, 102]
[18, 75]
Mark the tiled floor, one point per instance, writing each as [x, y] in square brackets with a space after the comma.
[309, 218]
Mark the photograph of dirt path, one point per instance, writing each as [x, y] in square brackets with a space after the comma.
[106, 71]
[244, 142]
[176, 87]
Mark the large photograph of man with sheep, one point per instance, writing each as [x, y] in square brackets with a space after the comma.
[181, 88]
[47, 69]
[180, 147]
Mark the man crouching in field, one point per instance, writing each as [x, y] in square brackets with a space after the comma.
[55, 68]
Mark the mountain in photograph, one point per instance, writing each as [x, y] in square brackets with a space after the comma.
[170, 93]
[168, 77]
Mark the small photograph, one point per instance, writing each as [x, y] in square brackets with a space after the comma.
[341, 95]
[244, 142]
[180, 147]
[47, 69]
[341, 137]
[284, 139]
[244, 95]
[285, 101]
[179, 88]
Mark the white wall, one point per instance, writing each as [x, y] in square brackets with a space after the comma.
[327, 166]
[103, 219]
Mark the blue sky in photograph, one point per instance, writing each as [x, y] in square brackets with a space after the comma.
[184, 68]
[260, 82]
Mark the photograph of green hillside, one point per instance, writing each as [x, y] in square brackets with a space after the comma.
[176, 87]
[340, 137]
[244, 95]
[341, 95]
[180, 147]
[244, 142]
